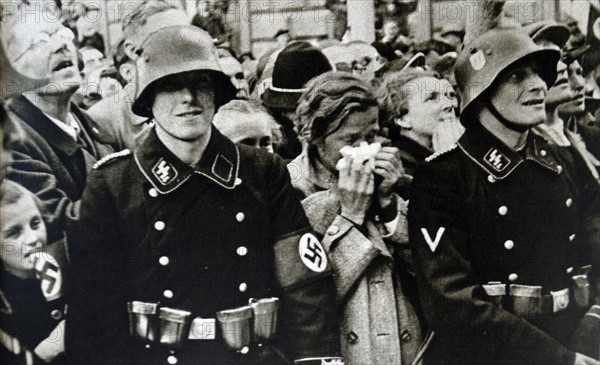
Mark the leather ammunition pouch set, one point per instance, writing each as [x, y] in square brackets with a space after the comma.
[239, 328]
[530, 302]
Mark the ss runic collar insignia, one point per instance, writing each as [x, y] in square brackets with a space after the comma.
[496, 159]
[164, 171]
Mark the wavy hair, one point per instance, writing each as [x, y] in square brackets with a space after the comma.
[325, 105]
[392, 97]
[11, 192]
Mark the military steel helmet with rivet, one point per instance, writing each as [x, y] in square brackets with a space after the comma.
[174, 50]
[480, 62]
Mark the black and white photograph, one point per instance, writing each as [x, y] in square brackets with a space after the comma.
[300, 182]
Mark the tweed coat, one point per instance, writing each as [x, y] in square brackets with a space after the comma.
[201, 239]
[485, 221]
[372, 269]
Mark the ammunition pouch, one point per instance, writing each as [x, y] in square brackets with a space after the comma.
[529, 301]
[239, 327]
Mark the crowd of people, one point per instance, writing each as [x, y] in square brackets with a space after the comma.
[329, 203]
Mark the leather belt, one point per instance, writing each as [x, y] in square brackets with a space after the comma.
[172, 327]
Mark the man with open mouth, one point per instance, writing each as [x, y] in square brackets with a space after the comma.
[60, 143]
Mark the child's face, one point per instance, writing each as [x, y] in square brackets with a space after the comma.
[23, 231]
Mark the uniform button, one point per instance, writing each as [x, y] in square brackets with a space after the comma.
[333, 230]
[405, 336]
[243, 287]
[164, 260]
[240, 217]
[238, 181]
[572, 237]
[172, 360]
[56, 314]
[569, 202]
[569, 270]
[491, 179]
[159, 225]
[153, 193]
[352, 338]
[242, 251]
[543, 153]
[509, 245]
[168, 294]
[513, 277]
[244, 350]
[559, 168]
[503, 210]
[377, 218]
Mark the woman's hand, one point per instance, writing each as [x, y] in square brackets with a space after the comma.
[389, 166]
[356, 185]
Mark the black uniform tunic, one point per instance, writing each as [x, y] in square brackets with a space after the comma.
[482, 213]
[201, 239]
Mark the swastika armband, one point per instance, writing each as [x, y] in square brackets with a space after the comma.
[298, 258]
[312, 253]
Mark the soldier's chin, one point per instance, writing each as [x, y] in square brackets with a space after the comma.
[538, 118]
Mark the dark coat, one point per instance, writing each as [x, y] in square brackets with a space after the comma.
[141, 208]
[50, 163]
[483, 213]
[26, 319]
[591, 137]
[32, 308]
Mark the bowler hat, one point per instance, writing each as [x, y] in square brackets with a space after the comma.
[297, 63]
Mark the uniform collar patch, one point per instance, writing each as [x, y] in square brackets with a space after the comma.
[219, 163]
[164, 172]
[499, 160]
[496, 159]
[222, 168]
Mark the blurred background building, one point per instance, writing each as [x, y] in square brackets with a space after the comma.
[251, 25]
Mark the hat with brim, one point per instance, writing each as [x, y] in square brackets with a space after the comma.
[297, 64]
[401, 64]
[441, 46]
[281, 32]
[548, 31]
[574, 53]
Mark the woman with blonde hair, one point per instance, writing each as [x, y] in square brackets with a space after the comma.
[418, 112]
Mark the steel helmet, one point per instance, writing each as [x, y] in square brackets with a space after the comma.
[480, 62]
[174, 50]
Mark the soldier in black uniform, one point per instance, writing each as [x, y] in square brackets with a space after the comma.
[504, 226]
[177, 237]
